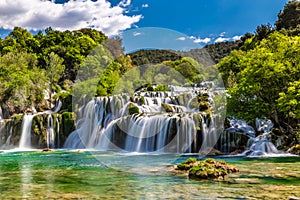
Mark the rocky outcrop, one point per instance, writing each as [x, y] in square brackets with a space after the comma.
[60, 125]
[294, 149]
[206, 169]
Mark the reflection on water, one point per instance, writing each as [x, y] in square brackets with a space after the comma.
[71, 175]
[26, 179]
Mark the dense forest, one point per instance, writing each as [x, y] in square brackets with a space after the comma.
[260, 71]
[262, 76]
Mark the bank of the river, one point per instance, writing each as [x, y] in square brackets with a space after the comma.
[98, 175]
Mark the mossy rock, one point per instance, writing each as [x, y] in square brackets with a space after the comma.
[133, 109]
[68, 123]
[150, 88]
[295, 149]
[162, 88]
[141, 101]
[206, 169]
[203, 97]
[194, 103]
[204, 106]
[167, 107]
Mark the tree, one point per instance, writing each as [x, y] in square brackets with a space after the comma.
[289, 18]
[264, 72]
[263, 31]
[22, 84]
[54, 70]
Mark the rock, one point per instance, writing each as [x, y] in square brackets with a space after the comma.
[47, 150]
[211, 152]
[167, 107]
[207, 169]
[294, 149]
[238, 151]
[133, 110]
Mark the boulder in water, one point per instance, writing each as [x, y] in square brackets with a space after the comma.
[47, 150]
[206, 169]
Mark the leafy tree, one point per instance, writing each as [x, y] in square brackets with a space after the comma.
[263, 31]
[54, 70]
[289, 18]
[262, 74]
[289, 101]
[22, 84]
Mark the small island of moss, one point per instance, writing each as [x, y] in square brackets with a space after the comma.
[206, 169]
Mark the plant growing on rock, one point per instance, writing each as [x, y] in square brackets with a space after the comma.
[206, 169]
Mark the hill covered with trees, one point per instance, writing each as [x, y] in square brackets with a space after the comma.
[260, 71]
[262, 76]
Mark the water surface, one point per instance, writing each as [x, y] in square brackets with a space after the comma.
[106, 175]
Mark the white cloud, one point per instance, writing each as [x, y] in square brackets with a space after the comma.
[221, 39]
[181, 38]
[205, 40]
[136, 34]
[125, 3]
[145, 5]
[199, 40]
[237, 37]
[222, 34]
[74, 14]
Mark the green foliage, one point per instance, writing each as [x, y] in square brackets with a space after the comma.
[265, 79]
[111, 76]
[54, 69]
[133, 110]
[22, 84]
[222, 49]
[68, 122]
[143, 57]
[289, 101]
[289, 17]
[31, 62]
[207, 169]
[162, 88]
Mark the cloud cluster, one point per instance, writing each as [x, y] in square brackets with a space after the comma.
[212, 39]
[199, 40]
[71, 15]
[225, 39]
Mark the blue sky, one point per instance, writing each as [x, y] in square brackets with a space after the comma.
[202, 21]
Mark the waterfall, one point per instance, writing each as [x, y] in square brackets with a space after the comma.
[261, 145]
[236, 136]
[50, 132]
[163, 122]
[25, 141]
[7, 143]
[1, 114]
[241, 135]
[57, 132]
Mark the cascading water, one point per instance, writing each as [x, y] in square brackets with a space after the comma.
[261, 145]
[241, 135]
[161, 122]
[1, 114]
[50, 132]
[236, 136]
[57, 132]
[7, 143]
[25, 141]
